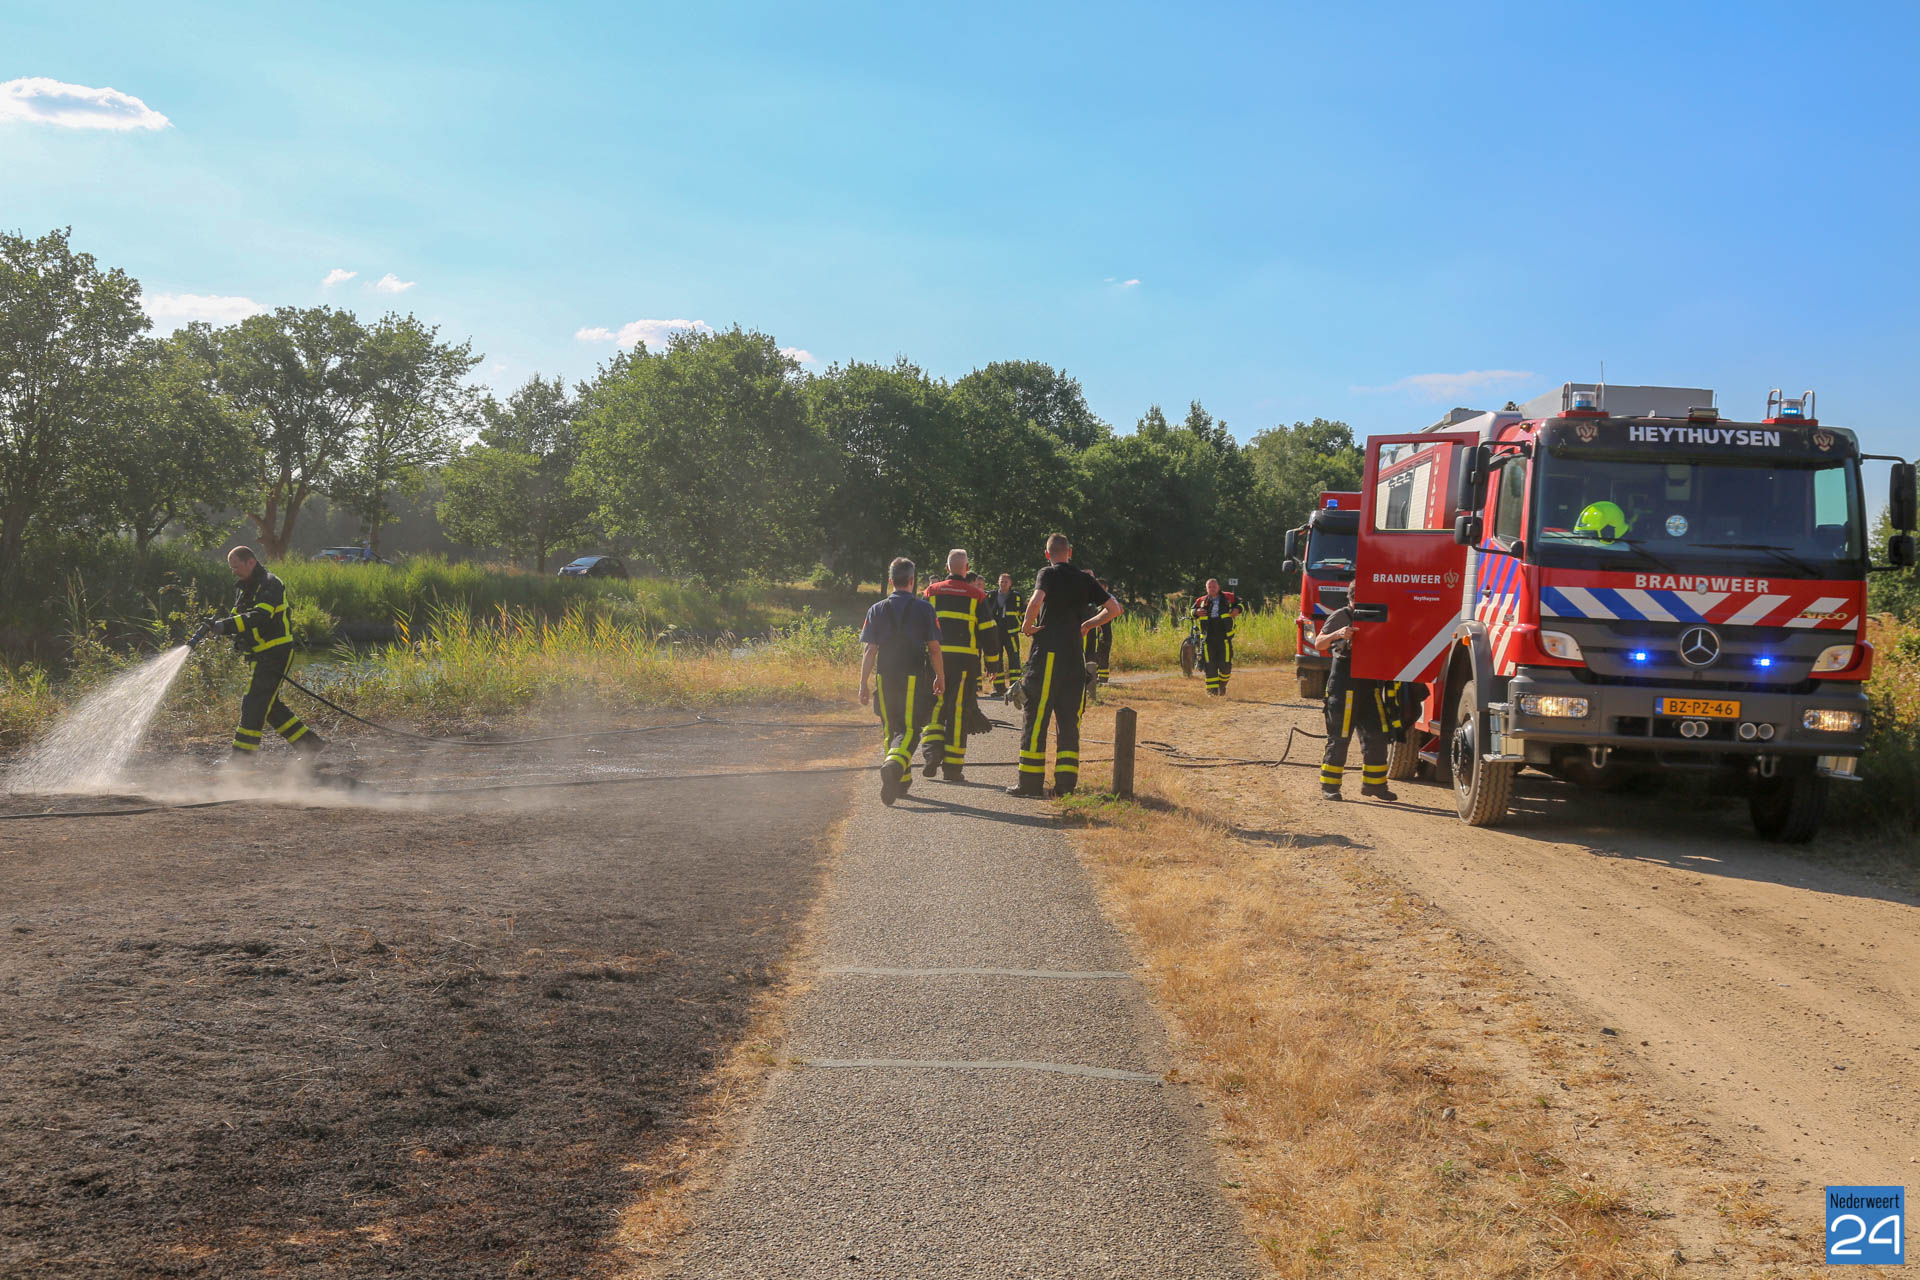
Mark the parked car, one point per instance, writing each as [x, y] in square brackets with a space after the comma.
[593, 567]
[351, 555]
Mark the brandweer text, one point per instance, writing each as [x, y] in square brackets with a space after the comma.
[1667, 582]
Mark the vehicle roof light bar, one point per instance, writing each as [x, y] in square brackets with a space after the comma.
[1786, 408]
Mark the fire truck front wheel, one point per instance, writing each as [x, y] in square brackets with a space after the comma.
[1313, 684]
[1787, 807]
[1481, 790]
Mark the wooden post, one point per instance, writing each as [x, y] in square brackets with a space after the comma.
[1123, 728]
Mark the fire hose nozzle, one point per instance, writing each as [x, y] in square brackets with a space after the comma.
[200, 633]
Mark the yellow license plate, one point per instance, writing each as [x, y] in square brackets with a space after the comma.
[1701, 708]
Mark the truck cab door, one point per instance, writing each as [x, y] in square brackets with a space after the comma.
[1407, 586]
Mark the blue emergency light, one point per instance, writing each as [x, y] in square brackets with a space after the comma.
[1763, 662]
[1333, 502]
[1639, 655]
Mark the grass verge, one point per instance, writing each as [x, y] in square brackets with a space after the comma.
[1363, 1132]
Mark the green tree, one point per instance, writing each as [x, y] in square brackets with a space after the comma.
[1018, 481]
[704, 456]
[304, 378]
[900, 486]
[1293, 465]
[67, 329]
[512, 488]
[180, 454]
[415, 399]
[1897, 591]
[1045, 396]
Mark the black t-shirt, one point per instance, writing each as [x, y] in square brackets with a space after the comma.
[1073, 596]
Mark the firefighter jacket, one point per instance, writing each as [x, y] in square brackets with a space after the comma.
[259, 622]
[1216, 623]
[969, 624]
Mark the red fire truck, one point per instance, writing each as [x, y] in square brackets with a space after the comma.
[1609, 581]
[1322, 550]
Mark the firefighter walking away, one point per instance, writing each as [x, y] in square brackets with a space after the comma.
[969, 646]
[1067, 603]
[1100, 644]
[1215, 612]
[263, 634]
[1369, 707]
[1011, 609]
[901, 642]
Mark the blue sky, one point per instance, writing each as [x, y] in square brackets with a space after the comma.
[1359, 211]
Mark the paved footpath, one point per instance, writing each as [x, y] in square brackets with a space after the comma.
[982, 1093]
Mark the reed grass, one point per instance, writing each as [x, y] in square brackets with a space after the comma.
[1143, 642]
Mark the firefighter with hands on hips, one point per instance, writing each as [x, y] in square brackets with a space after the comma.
[263, 635]
[1370, 706]
[1066, 604]
[969, 640]
[1011, 609]
[901, 641]
[1100, 643]
[1216, 611]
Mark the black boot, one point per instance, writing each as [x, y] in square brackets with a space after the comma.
[890, 788]
[1022, 788]
[953, 773]
[1378, 791]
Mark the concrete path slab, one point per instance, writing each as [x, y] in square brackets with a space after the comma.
[982, 1095]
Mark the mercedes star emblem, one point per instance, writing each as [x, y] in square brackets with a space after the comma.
[1699, 647]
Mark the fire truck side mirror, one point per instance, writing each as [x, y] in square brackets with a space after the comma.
[1292, 549]
[1900, 551]
[1467, 530]
[1902, 500]
[1470, 479]
[1289, 565]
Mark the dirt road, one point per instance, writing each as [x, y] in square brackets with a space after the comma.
[433, 1039]
[1777, 998]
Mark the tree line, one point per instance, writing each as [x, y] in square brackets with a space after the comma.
[716, 457]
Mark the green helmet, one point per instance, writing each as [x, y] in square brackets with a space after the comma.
[1604, 520]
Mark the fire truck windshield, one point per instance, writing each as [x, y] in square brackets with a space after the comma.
[1330, 554]
[1772, 519]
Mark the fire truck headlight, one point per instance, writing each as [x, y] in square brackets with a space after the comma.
[1828, 720]
[1554, 706]
[1835, 657]
[1559, 644]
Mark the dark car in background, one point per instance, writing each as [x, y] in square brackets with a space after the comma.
[351, 555]
[593, 567]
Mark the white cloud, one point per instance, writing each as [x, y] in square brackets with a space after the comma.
[652, 332]
[339, 275]
[1118, 283]
[800, 354]
[38, 100]
[390, 283]
[171, 310]
[1453, 386]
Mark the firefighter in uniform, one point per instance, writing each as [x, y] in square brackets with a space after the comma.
[261, 632]
[1011, 609]
[969, 642]
[1067, 603]
[901, 639]
[1100, 642]
[1370, 706]
[1216, 611]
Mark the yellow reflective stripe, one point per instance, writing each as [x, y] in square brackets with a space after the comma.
[1346, 723]
[299, 732]
[1040, 712]
[245, 732]
[245, 746]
